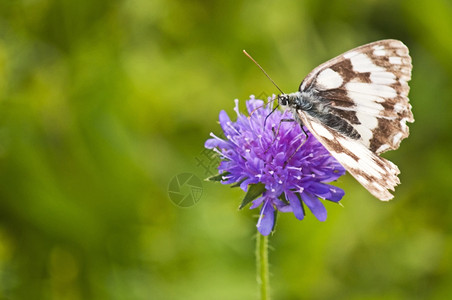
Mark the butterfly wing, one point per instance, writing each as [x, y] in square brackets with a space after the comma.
[375, 173]
[368, 87]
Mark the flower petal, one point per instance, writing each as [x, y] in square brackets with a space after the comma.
[257, 202]
[282, 206]
[211, 143]
[295, 203]
[266, 218]
[224, 118]
[336, 172]
[246, 182]
[216, 142]
[280, 158]
[318, 189]
[336, 194]
[315, 205]
[326, 191]
[226, 124]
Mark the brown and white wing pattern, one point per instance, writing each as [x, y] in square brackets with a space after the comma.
[376, 174]
[357, 106]
[368, 86]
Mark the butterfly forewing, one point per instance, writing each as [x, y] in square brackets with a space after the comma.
[366, 89]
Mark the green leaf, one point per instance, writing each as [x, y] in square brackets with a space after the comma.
[218, 177]
[254, 191]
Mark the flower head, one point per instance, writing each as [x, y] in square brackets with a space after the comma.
[274, 162]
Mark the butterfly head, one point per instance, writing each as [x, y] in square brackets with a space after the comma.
[283, 99]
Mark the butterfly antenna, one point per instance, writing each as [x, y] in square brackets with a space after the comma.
[260, 106]
[262, 69]
[265, 120]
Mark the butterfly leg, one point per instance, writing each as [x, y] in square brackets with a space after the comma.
[275, 133]
[279, 126]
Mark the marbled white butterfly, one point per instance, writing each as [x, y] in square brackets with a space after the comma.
[356, 105]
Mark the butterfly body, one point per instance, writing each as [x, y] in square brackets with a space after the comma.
[318, 109]
[356, 105]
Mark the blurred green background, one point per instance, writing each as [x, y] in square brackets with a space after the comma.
[102, 103]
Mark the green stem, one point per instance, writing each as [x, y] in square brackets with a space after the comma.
[262, 266]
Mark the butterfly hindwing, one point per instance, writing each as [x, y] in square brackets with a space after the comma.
[375, 173]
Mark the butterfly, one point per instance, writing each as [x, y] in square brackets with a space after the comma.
[356, 105]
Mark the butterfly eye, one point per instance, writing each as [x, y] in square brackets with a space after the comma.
[282, 99]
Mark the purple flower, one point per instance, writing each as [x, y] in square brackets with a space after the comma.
[270, 165]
